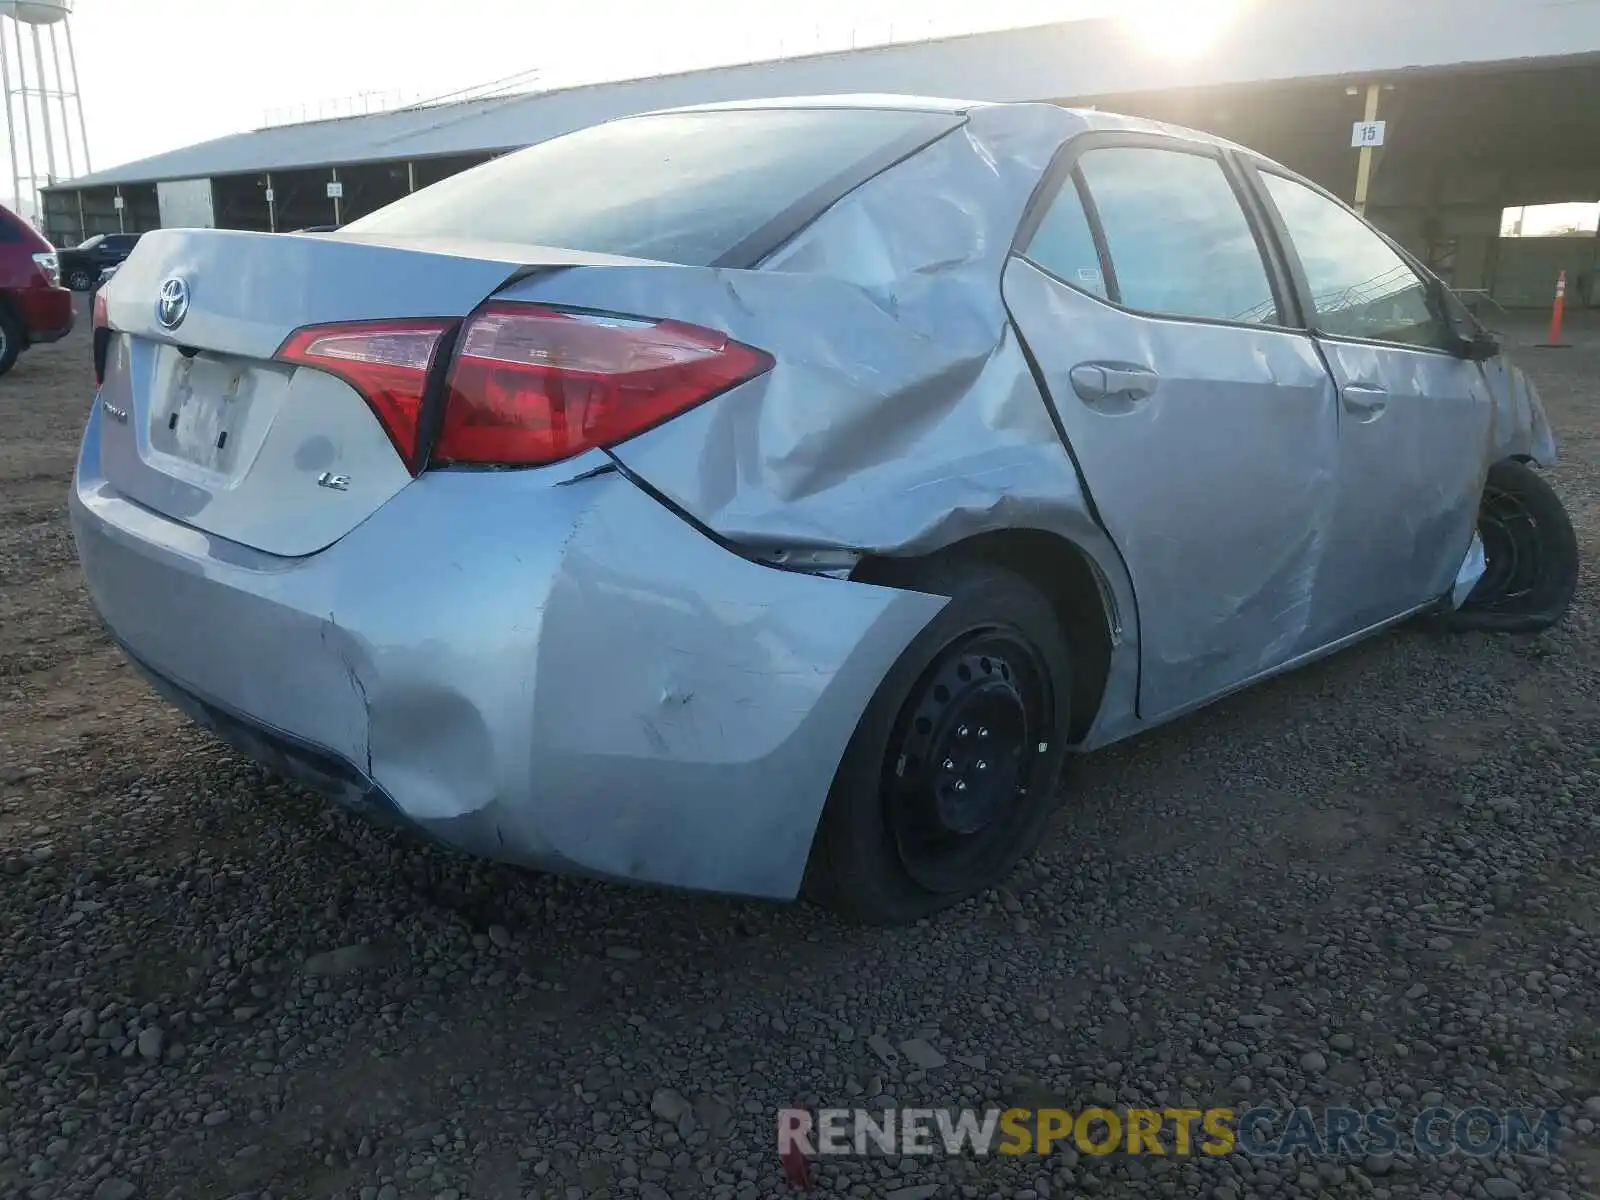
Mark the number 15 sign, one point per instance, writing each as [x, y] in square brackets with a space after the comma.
[1367, 133]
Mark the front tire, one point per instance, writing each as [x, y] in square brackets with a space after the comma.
[1531, 552]
[79, 279]
[11, 341]
[953, 769]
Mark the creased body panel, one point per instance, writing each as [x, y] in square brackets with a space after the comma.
[1520, 428]
[902, 416]
[566, 676]
[1411, 468]
[1217, 487]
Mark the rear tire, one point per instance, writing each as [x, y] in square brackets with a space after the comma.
[1531, 552]
[952, 771]
[79, 279]
[11, 340]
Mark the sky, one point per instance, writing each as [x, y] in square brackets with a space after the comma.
[156, 75]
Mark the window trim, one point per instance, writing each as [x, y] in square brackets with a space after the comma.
[1064, 167]
[1253, 167]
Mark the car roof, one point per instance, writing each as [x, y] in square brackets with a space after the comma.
[1093, 118]
[870, 100]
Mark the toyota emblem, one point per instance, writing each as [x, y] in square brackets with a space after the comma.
[173, 304]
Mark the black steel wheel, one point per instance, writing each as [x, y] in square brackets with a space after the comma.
[1530, 553]
[953, 768]
[967, 749]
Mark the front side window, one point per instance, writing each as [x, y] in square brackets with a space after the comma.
[1360, 288]
[1179, 241]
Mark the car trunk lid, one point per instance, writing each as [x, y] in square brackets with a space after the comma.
[203, 421]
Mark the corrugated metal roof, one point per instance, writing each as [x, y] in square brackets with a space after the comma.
[1275, 40]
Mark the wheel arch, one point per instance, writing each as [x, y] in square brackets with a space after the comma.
[1069, 576]
[10, 308]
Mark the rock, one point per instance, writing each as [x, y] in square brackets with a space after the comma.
[921, 1192]
[1342, 1042]
[1439, 944]
[1378, 1165]
[887, 1054]
[669, 1106]
[500, 936]
[346, 960]
[1312, 1063]
[921, 1055]
[624, 953]
[151, 1040]
[1501, 1189]
[115, 1188]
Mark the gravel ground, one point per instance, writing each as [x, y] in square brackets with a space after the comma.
[1371, 883]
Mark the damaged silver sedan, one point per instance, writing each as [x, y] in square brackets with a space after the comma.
[766, 498]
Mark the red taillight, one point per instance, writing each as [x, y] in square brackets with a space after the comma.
[100, 337]
[531, 385]
[386, 361]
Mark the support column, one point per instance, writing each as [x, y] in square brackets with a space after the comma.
[411, 176]
[5, 84]
[272, 206]
[83, 127]
[1364, 164]
[337, 200]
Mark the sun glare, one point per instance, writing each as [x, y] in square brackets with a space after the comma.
[1180, 28]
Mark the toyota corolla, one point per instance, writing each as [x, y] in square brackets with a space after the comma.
[766, 498]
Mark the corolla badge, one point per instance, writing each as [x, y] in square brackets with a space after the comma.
[173, 303]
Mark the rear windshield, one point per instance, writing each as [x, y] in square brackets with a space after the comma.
[696, 188]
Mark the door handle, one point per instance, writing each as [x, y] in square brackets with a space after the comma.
[1114, 381]
[1367, 403]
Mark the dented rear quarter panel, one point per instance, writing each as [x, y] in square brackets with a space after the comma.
[902, 416]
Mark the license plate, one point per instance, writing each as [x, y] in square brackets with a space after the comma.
[207, 399]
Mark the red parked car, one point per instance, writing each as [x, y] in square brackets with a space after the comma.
[34, 307]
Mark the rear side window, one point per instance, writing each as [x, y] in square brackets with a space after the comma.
[1179, 241]
[1359, 286]
[1064, 243]
[693, 188]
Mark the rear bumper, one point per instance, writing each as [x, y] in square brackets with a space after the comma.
[565, 676]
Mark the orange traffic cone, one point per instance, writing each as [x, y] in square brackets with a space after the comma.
[1556, 314]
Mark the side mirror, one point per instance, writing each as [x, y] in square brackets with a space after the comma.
[1479, 346]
